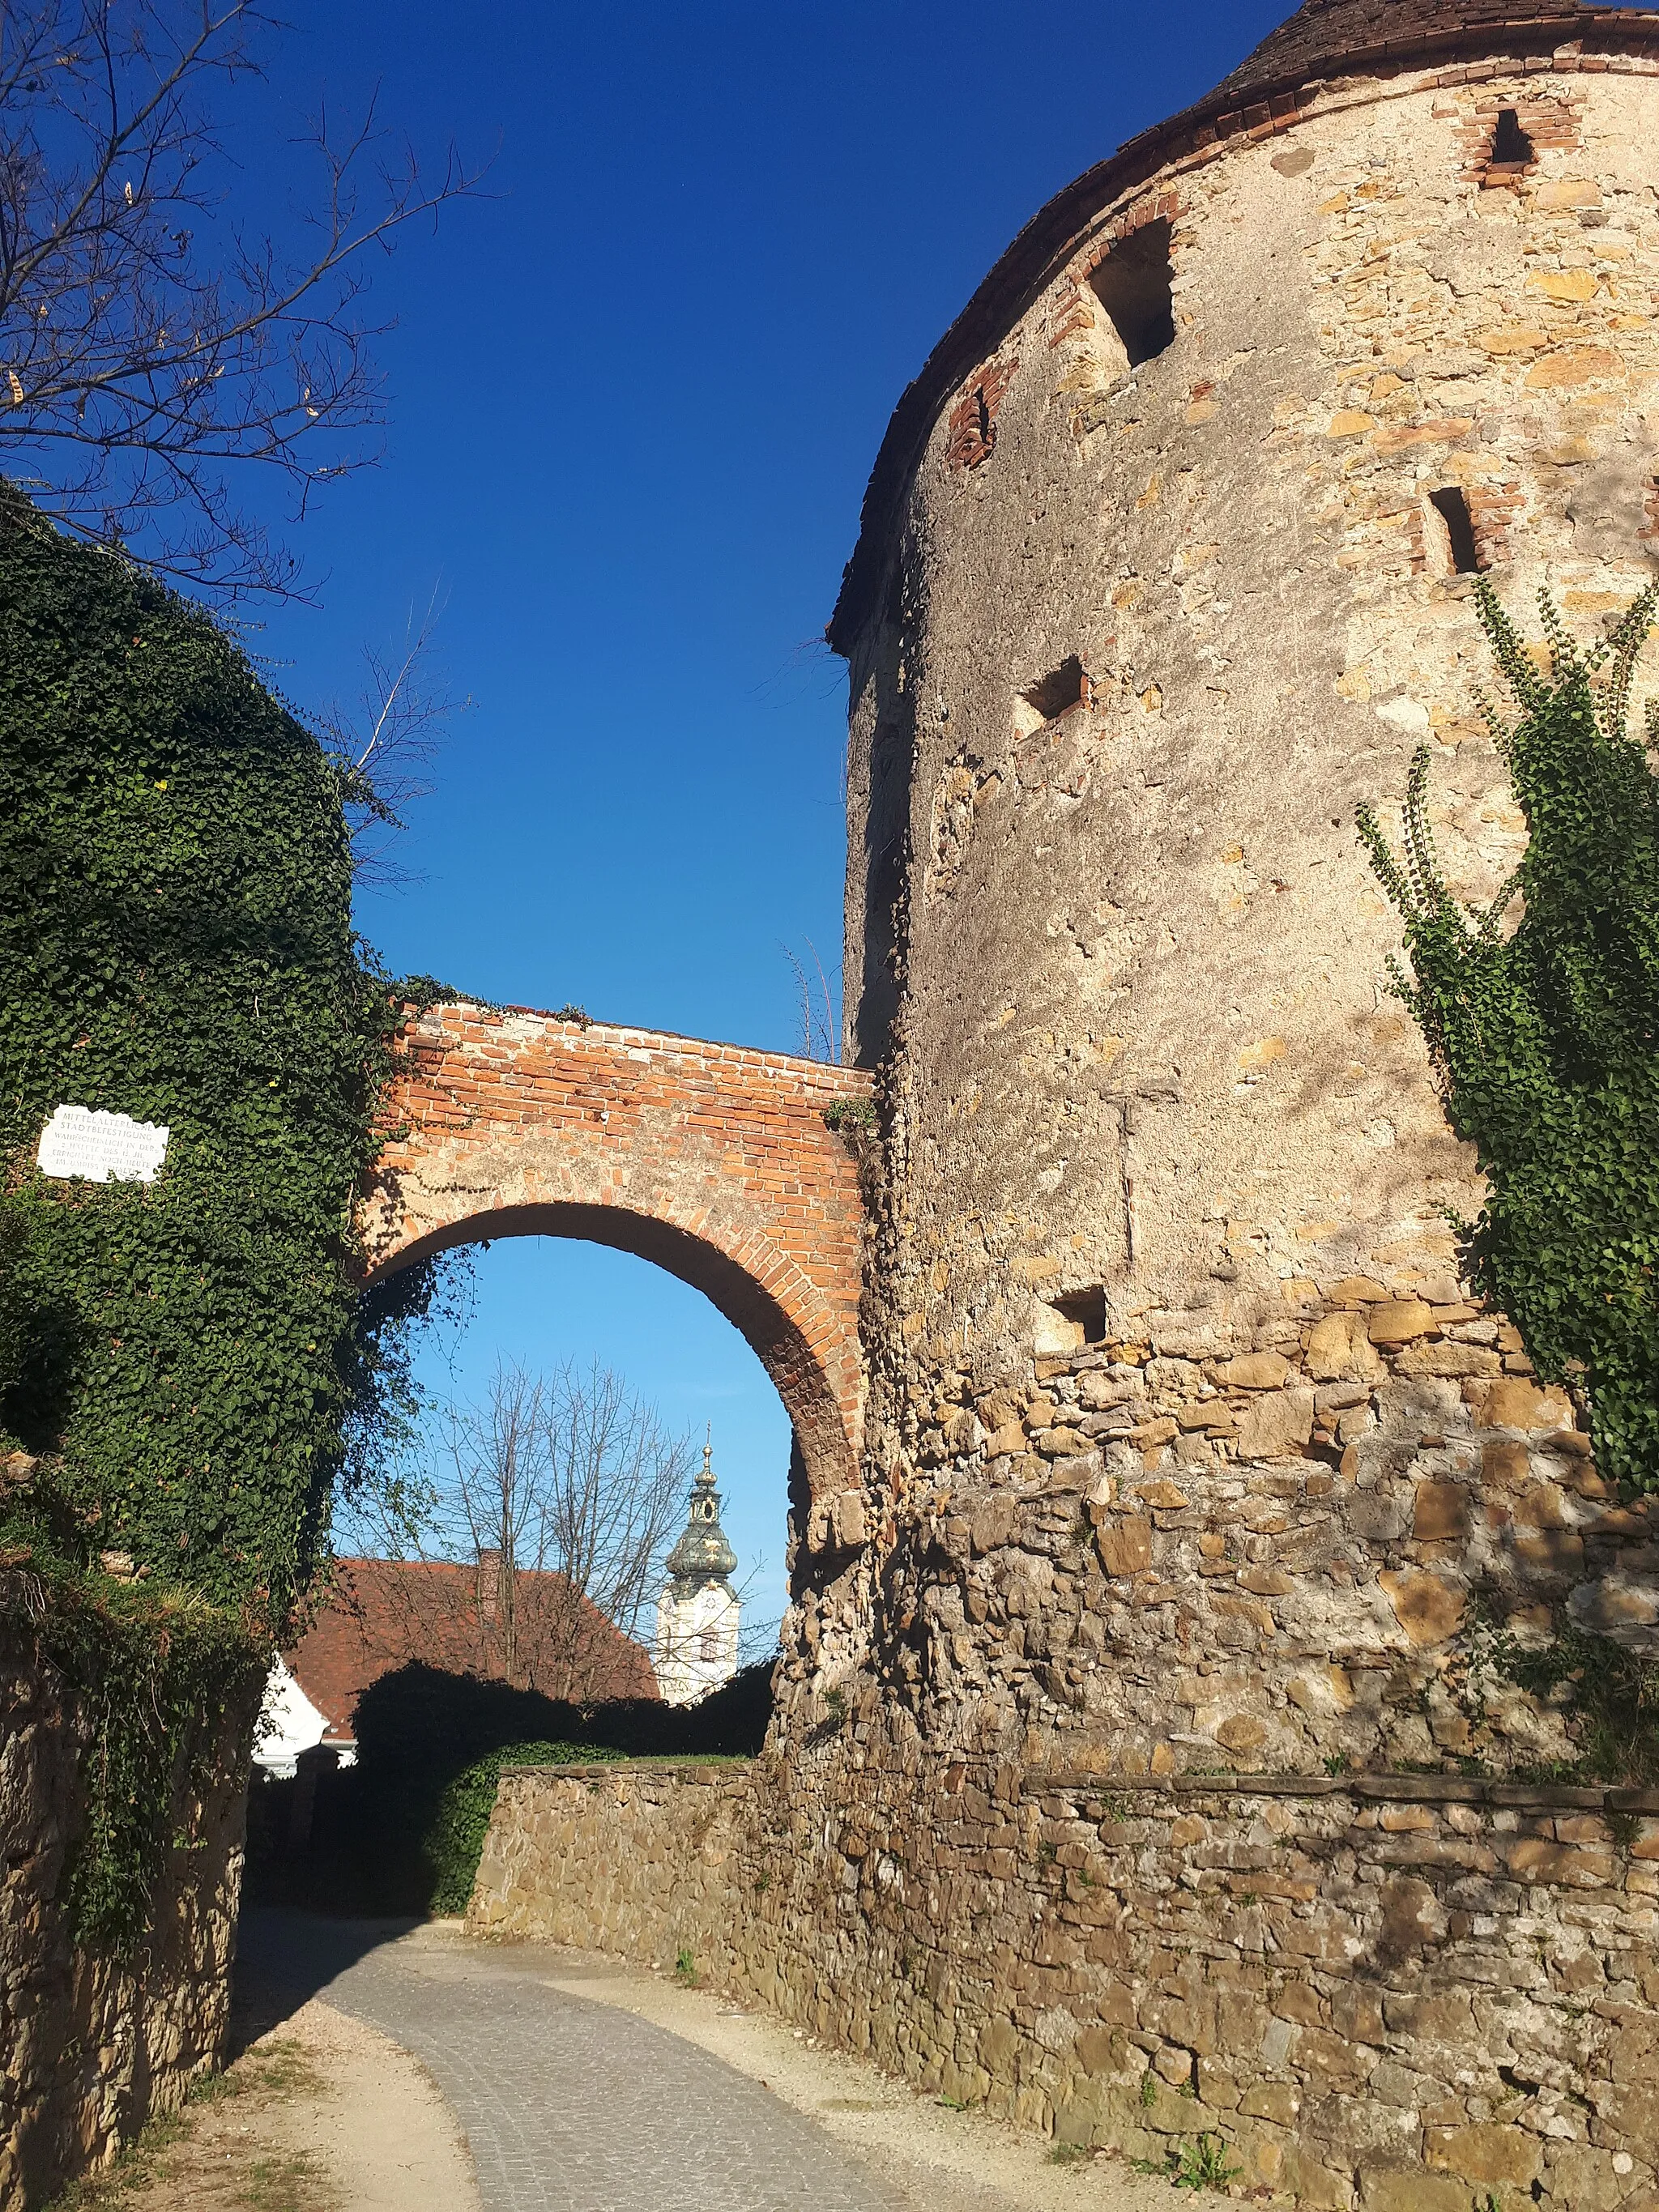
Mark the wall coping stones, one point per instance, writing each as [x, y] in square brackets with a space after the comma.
[1371, 1789]
[1375, 1789]
[718, 1763]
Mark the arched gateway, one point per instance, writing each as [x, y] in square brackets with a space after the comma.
[712, 1160]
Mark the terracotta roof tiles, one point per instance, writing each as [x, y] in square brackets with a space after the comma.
[385, 1613]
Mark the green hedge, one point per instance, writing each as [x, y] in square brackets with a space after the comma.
[454, 1842]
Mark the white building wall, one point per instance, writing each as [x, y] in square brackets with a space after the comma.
[289, 1722]
[696, 1642]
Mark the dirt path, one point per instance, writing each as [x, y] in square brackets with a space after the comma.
[320, 2114]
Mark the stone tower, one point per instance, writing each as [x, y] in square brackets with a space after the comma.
[1186, 1455]
[1165, 566]
[698, 1613]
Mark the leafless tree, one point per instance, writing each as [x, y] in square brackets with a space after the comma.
[566, 1491]
[148, 342]
[818, 1020]
[387, 739]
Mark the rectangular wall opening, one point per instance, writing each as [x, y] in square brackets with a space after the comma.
[1511, 148]
[1134, 285]
[1051, 697]
[1461, 552]
[1085, 1309]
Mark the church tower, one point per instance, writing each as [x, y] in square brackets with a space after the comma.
[698, 1611]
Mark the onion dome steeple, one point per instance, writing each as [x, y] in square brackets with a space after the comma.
[702, 1559]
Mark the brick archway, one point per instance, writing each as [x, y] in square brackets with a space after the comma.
[713, 1161]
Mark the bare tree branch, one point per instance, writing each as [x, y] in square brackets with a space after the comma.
[140, 363]
[566, 1491]
[817, 1011]
[385, 744]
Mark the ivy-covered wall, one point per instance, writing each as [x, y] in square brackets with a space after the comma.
[176, 945]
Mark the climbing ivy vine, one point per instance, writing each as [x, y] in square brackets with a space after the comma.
[176, 945]
[1542, 1016]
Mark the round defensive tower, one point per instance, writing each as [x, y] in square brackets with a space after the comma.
[1167, 564]
[1144, 1765]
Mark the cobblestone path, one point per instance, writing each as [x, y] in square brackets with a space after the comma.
[568, 2106]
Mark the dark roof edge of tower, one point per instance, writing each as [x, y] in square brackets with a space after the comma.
[1240, 105]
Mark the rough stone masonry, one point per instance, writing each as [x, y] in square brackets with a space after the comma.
[1139, 1768]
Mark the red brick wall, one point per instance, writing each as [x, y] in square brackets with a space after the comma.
[713, 1161]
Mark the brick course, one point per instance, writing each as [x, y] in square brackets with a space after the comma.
[712, 1160]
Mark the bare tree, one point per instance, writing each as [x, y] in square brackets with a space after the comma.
[817, 1013]
[146, 344]
[386, 741]
[566, 1491]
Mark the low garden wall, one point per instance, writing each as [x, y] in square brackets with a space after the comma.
[94, 2039]
[1395, 1992]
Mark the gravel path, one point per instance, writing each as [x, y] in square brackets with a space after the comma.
[567, 2105]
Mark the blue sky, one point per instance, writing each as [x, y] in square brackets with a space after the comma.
[635, 397]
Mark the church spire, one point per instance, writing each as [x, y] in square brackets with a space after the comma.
[698, 1613]
[702, 1559]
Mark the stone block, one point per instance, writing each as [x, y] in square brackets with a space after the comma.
[1629, 2116]
[1513, 1402]
[1455, 1360]
[1612, 1604]
[1554, 1552]
[1581, 2180]
[1440, 1512]
[1241, 1733]
[1399, 1321]
[1125, 1545]
[1540, 1859]
[1492, 2155]
[1505, 1466]
[1255, 1370]
[1062, 1444]
[1271, 2101]
[1339, 1349]
[1408, 2189]
[1276, 1424]
[991, 1526]
[1429, 1608]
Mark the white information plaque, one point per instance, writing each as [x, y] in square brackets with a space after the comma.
[102, 1147]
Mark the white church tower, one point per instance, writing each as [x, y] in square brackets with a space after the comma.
[698, 1612]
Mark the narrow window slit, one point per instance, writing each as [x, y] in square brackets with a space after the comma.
[1511, 148]
[1451, 505]
[1068, 687]
[1134, 285]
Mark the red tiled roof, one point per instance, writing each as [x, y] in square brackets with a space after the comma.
[385, 1613]
[1328, 34]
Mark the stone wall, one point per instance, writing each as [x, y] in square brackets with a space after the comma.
[89, 2046]
[1394, 1991]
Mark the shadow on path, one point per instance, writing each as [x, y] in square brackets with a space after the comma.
[284, 1957]
[567, 2105]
